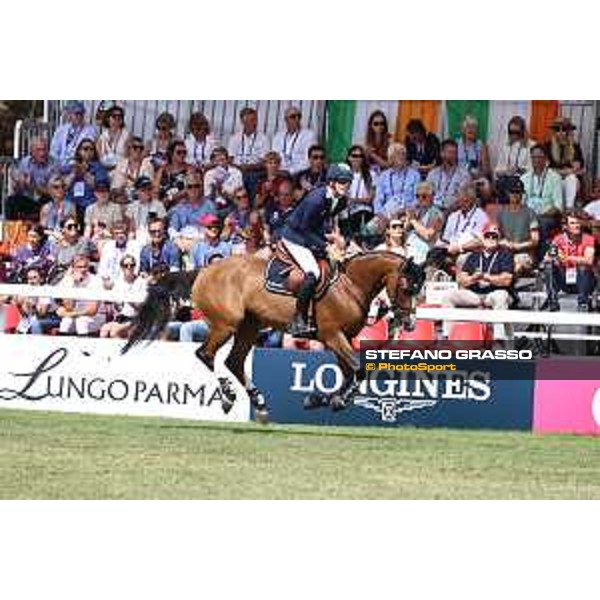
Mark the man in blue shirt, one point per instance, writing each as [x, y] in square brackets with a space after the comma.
[213, 247]
[67, 137]
[160, 253]
[305, 235]
[396, 186]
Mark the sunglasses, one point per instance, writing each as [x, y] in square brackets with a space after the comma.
[137, 147]
[58, 186]
[128, 265]
[396, 226]
[194, 186]
[293, 116]
[70, 226]
[87, 148]
[562, 129]
[378, 123]
[423, 196]
[318, 156]
[357, 156]
[490, 236]
[181, 152]
[514, 132]
[155, 231]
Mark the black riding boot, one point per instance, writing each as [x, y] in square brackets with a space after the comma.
[300, 327]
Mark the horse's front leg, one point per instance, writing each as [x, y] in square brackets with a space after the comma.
[351, 371]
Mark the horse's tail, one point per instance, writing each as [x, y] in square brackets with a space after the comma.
[155, 312]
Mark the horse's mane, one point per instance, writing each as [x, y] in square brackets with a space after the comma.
[346, 262]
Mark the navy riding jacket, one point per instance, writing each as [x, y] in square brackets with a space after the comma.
[312, 218]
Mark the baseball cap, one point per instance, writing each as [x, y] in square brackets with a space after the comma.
[102, 184]
[209, 220]
[142, 182]
[491, 228]
[74, 106]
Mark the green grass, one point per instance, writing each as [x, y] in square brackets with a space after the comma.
[54, 455]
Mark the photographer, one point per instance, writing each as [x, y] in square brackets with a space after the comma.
[569, 263]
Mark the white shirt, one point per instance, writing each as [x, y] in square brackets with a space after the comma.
[593, 209]
[198, 153]
[114, 149]
[232, 179]
[464, 227]
[109, 266]
[514, 156]
[293, 148]
[91, 282]
[247, 149]
[138, 285]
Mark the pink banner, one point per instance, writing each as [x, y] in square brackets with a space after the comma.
[564, 405]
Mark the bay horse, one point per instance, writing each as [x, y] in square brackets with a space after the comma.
[232, 296]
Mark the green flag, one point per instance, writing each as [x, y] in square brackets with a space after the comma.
[457, 110]
[340, 125]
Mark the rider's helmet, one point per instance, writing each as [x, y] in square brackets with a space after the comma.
[339, 172]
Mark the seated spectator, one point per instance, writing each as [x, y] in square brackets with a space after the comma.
[170, 178]
[592, 208]
[71, 244]
[237, 222]
[293, 143]
[448, 177]
[543, 194]
[424, 224]
[361, 194]
[157, 148]
[267, 188]
[395, 236]
[514, 158]
[81, 317]
[199, 141]
[569, 264]
[68, 137]
[128, 282]
[30, 182]
[160, 253]
[519, 228]
[566, 158]
[397, 185]
[278, 211]
[316, 173]
[81, 176]
[464, 226]
[212, 245]
[113, 252]
[221, 180]
[59, 208]
[377, 141]
[247, 149]
[142, 209]
[422, 147]
[485, 278]
[473, 154]
[184, 227]
[38, 315]
[131, 167]
[114, 139]
[35, 253]
[101, 215]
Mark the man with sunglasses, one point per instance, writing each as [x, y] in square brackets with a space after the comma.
[142, 209]
[112, 253]
[293, 143]
[212, 245]
[54, 212]
[160, 253]
[184, 217]
[448, 178]
[72, 244]
[316, 174]
[485, 278]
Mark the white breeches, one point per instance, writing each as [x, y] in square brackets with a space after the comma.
[303, 256]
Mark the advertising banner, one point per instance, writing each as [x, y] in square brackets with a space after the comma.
[469, 398]
[567, 396]
[90, 376]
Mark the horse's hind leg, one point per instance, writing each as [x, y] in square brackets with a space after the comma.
[219, 333]
[245, 338]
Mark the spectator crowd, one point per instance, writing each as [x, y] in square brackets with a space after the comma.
[107, 209]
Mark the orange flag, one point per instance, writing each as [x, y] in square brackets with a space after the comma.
[543, 112]
[426, 110]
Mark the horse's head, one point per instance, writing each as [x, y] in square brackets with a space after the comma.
[403, 285]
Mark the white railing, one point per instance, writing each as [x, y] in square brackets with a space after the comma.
[56, 291]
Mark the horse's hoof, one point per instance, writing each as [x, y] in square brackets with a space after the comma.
[261, 415]
[315, 400]
[338, 403]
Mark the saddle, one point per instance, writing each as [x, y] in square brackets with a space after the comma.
[284, 276]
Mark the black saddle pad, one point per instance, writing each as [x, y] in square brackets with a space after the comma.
[276, 276]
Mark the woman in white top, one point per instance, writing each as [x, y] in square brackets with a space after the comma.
[514, 157]
[114, 139]
[199, 142]
[129, 168]
[473, 153]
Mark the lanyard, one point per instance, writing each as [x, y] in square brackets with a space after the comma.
[72, 135]
[540, 190]
[491, 263]
[203, 146]
[467, 154]
[466, 222]
[448, 180]
[285, 143]
[391, 182]
[113, 145]
[253, 137]
[516, 164]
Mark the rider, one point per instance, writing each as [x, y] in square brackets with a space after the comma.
[305, 233]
